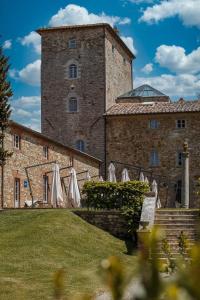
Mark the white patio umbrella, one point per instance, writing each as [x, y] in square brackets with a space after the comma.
[73, 191]
[146, 180]
[125, 176]
[141, 177]
[101, 179]
[155, 190]
[56, 189]
[111, 173]
[88, 177]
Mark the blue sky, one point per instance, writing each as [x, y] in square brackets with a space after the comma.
[164, 35]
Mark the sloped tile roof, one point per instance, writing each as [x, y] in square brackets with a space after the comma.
[153, 107]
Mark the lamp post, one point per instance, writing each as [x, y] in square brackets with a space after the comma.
[186, 182]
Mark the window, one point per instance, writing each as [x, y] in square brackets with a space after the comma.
[73, 106]
[45, 188]
[179, 159]
[17, 141]
[72, 43]
[180, 124]
[124, 60]
[73, 71]
[80, 145]
[153, 124]
[46, 152]
[113, 49]
[17, 192]
[154, 159]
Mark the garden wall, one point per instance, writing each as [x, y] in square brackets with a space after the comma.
[111, 221]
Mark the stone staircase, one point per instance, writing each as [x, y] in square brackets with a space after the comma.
[174, 222]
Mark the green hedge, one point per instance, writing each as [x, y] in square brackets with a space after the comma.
[124, 196]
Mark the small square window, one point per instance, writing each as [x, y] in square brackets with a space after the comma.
[17, 141]
[46, 152]
[153, 124]
[180, 123]
[72, 43]
[179, 159]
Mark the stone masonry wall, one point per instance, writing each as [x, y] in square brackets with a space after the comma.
[111, 221]
[130, 140]
[118, 70]
[102, 76]
[31, 153]
[86, 124]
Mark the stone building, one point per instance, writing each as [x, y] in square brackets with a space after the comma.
[84, 68]
[146, 131]
[28, 173]
[88, 102]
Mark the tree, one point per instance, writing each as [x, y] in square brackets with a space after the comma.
[5, 111]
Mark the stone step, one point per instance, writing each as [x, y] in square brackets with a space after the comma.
[169, 225]
[176, 217]
[165, 211]
[174, 222]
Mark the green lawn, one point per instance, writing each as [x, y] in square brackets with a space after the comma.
[36, 243]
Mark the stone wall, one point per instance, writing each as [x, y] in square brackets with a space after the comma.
[110, 221]
[102, 76]
[130, 140]
[31, 153]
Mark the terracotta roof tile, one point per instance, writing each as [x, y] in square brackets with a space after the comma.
[152, 108]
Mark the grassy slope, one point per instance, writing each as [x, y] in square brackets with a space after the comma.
[36, 243]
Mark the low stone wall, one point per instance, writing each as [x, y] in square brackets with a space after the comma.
[110, 221]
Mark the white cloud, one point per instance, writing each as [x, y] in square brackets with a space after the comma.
[184, 85]
[32, 39]
[175, 59]
[147, 69]
[187, 10]
[129, 43]
[26, 111]
[7, 44]
[75, 14]
[142, 1]
[29, 74]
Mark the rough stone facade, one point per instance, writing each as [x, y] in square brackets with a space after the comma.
[111, 221]
[130, 140]
[30, 154]
[104, 72]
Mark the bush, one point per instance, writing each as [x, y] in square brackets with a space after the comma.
[124, 196]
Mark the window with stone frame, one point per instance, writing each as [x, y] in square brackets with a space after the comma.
[73, 71]
[180, 123]
[153, 124]
[72, 43]
[73, 104]
[46, 152]
[179, 158]
[80, 145]
[17, 141]
[154, 158]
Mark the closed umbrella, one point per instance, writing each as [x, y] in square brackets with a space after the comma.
[111, 173]
[88, 177]
[141, 177]
[125, 176]
[73, 191]
[155, 190]
[146, 180]
[56, 190]
[101, 179]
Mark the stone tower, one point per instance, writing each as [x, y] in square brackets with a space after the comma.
[84, 69]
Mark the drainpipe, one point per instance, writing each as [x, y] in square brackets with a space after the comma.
[186, 182]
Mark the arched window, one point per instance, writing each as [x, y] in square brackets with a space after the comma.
[154, 158]
[73, 71]
[80, 145]
[73, 105]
